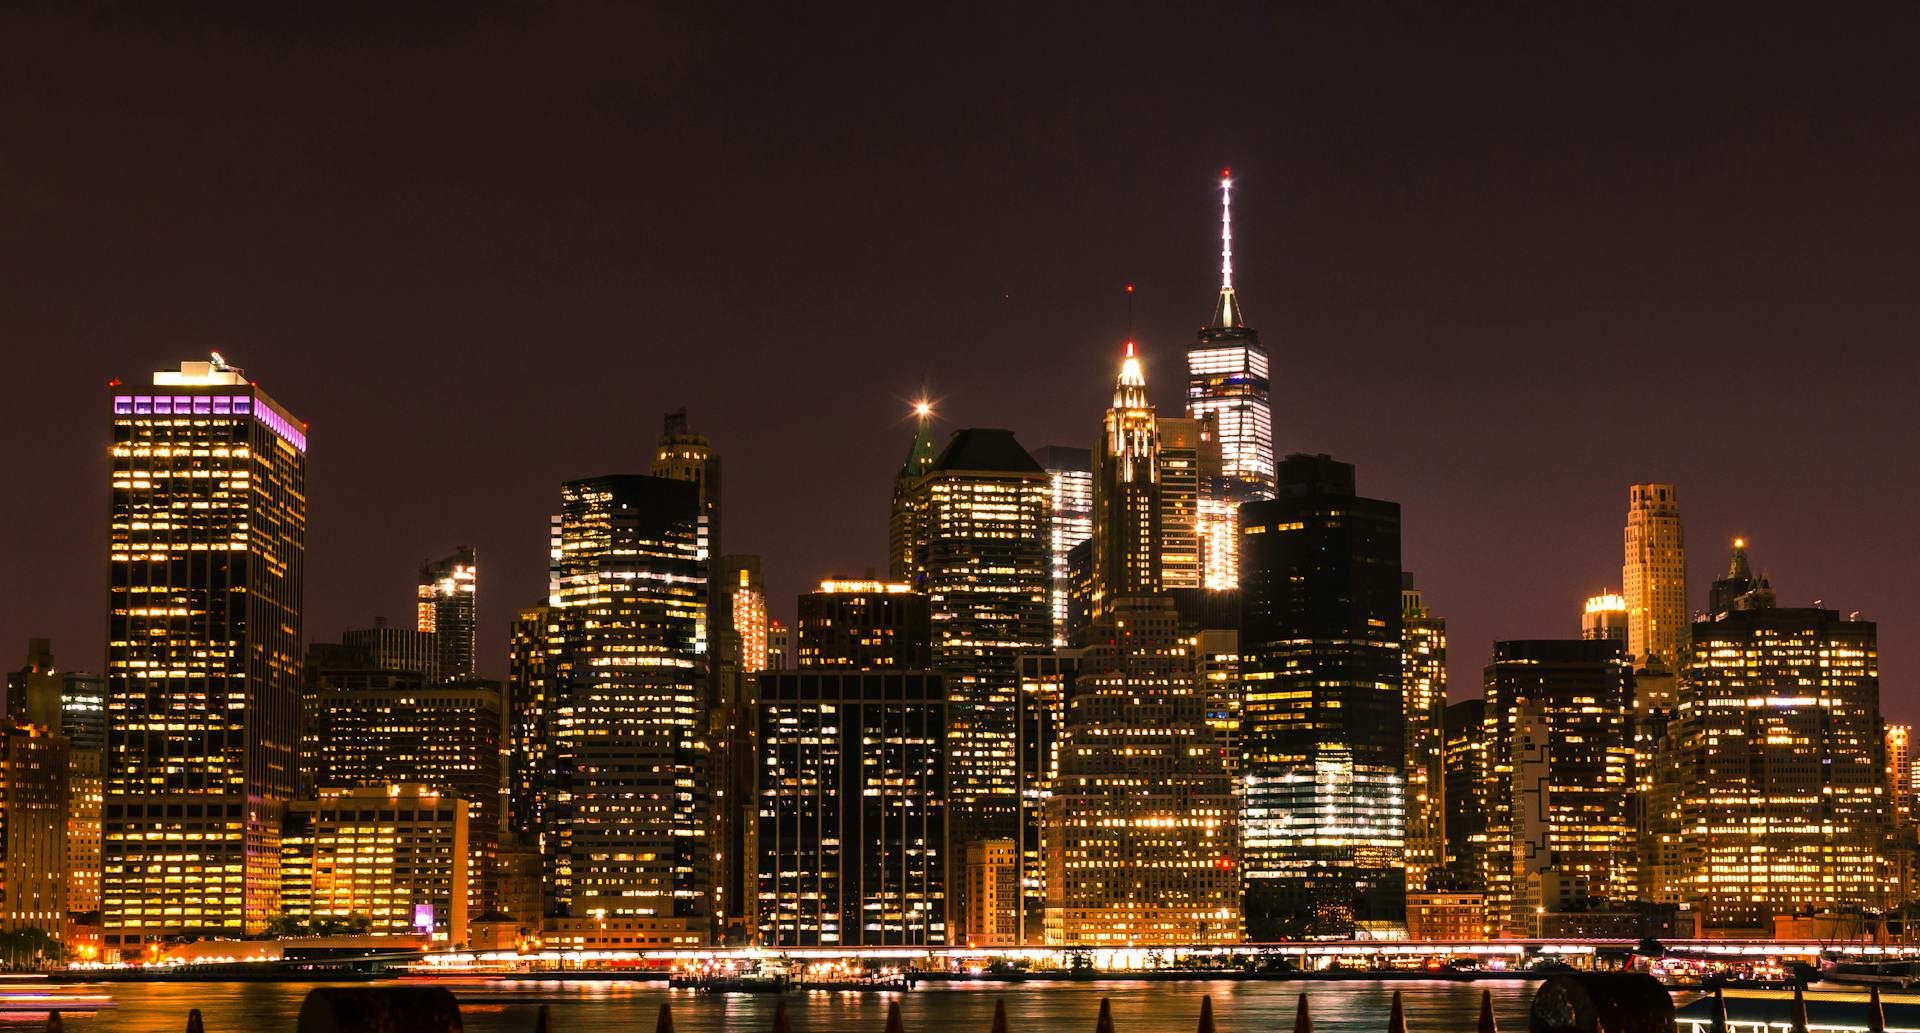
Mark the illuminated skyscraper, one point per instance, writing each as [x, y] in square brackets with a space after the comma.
[1900, 769]
[627, 810]
[207, 547]
[1323, 727]
[445, 608]
[1046, 679]
[1189, 465]
[1423, 649]
[1654, 576]
[1776, 759]
[1605, 618]
[1141, 822]
[739, 654]
[1228, 379]
[1558, 753]
[986, 507]
[1070, 471]
[852, 838]
[1127, 528]
[907, 528]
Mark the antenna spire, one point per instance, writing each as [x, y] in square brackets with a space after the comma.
[1226, 229]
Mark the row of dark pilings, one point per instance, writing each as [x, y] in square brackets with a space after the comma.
[1608, 1002]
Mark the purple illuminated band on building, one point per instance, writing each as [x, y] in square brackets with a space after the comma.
[210, 405]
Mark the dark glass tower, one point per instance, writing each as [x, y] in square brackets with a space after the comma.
[1558, 751]
[852, 834]
[627, 814]
[1323, 738]
[207, 559]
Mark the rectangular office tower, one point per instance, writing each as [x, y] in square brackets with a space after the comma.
[207, 547]
[981, 543]
[1559, 745]
[626, 815]
[1323, 735]
[1070, 473]
[1773, 769]
[852, 840]
[1141, 823]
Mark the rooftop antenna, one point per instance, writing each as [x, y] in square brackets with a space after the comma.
[1129, 312]
[1226, 229]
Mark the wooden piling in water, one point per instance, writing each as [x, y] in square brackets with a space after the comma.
[1105, 1022]
[1000, 1016]
[1799, 1011]
[1487, 1023]
[1302, 1022]
[54, 1025]
[664, 1024]
[1206, 1015]
[1719, 1022]
[194, 1025]
[894, 1025]
[1397, 1019]
[1876, 1013]
[780, 1018]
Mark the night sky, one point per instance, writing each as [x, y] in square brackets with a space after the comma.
[1507, 262]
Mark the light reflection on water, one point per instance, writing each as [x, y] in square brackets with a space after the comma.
[509, 1006]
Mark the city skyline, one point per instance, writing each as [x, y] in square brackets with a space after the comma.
[1386, 339]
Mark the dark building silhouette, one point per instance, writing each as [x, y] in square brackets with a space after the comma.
[864, 625]
[1465, 796]
[1323, 735]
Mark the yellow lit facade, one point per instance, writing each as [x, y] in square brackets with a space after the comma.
[33, 829]
[1654, 576]
[626, 819]
[1775, 762]
[1128, 521]
[1142, 823]
[1423, 650]
[206, 550]
[396, 854]
[985, 504]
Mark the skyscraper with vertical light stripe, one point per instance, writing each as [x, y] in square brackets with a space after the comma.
[207, 553]
[1228, 379]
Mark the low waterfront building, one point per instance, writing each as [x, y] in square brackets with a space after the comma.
[1446, 915]
[396, 855]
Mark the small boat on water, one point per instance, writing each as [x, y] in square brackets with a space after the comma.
[1902, 973]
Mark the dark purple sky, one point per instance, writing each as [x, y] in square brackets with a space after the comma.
[1506, 263]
